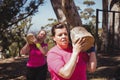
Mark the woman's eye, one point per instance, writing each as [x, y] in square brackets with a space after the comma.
[60, 35]
[66, 34]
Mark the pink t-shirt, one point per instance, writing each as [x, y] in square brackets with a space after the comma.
[36, 58]
[57, 58]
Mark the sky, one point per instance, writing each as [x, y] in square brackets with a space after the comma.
[45, 12]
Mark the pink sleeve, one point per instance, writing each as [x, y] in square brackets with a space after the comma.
[54, 61]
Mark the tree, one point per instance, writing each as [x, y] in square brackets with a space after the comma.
[66, 11]
[18, 33]
[105, 41]
[114, 5]
[87, 14]
[11, 13]
[110, 25]
[16, 38]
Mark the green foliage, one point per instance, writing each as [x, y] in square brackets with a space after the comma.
[13, 49]
[88, 13]
[15, 36]
[89, 2]
[12, 11]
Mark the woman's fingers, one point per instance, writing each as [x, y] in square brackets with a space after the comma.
[81, 41]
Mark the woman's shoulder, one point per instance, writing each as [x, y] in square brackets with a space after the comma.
[53, 49]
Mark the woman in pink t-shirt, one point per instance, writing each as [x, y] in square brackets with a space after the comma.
[37, 49]
[66, 62]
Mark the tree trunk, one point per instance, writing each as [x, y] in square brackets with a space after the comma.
[116, 24]
[104, 45]
[66, 11]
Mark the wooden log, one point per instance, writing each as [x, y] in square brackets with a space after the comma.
[80, 32]
[30, 38]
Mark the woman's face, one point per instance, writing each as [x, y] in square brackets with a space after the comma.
[61, 38]
[41, 35]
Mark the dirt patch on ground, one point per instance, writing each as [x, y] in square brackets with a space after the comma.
[108, 68]
[13, 69]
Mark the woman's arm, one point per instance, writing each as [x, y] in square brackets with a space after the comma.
[92, 64]
[25, 49]
[67, 70]
[45, 49]
[42, 49]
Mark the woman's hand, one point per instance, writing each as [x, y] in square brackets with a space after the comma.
[79, 45]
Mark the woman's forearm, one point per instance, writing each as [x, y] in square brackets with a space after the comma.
[38, 45]
[92, 64]
[67, 70]
[25, 49]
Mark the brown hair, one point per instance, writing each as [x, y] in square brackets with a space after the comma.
[42, 30]
[58, 26]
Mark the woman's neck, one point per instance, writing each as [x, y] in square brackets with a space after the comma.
[62, 47]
